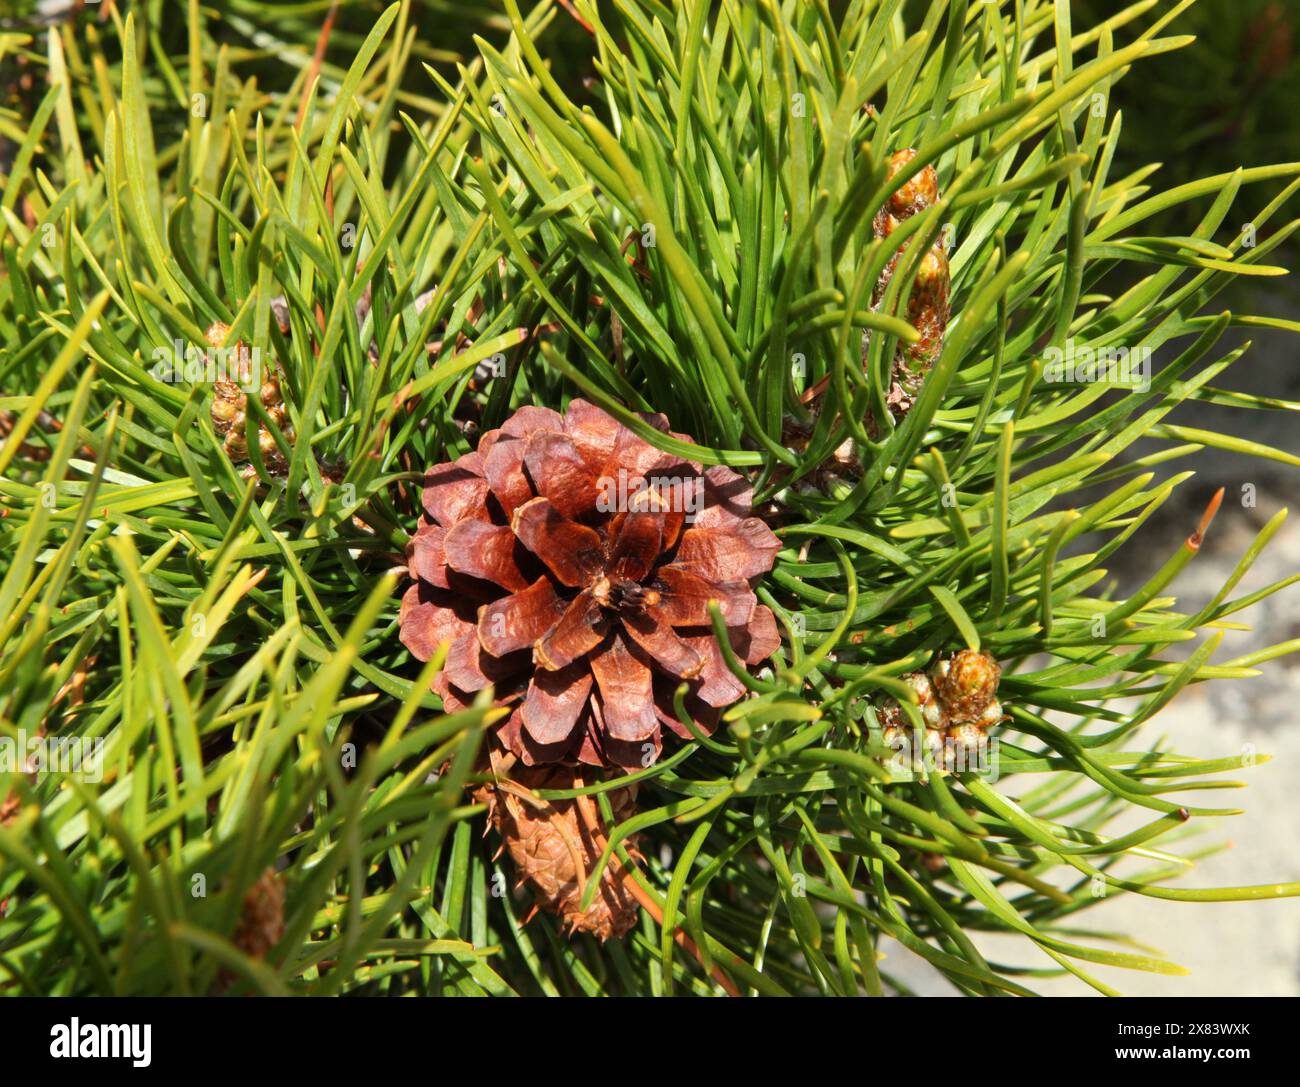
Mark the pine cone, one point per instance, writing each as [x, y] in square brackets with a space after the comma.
[556, 844]
[928, 310]
[571, 564]
[229, 402]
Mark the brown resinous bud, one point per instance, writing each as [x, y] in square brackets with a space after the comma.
[236, 367]
[928, 307]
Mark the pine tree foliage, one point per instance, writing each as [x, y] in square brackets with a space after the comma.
[422, 247]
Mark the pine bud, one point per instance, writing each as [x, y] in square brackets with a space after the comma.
[230, 403]
[967, 683]
[928, 308]
[918, 192]
[957, 702]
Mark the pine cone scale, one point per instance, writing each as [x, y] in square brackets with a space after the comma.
[572, 552]
[555, 701]
[659, 641]
[716, 555]
[582, 627]
[517, 621]
[627, 692]
[483, 550]
[455, 491]
[503, 468]
[560, 473]
[684, 598]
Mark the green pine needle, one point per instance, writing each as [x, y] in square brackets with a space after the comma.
[690, 232]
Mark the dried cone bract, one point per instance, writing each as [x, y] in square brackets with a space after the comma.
[556, 844]
[571, 563]
[230, 401]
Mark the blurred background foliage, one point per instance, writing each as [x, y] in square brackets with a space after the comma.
[1229, 99]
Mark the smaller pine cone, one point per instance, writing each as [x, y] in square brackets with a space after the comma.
[261, 917]
[548, 842]
[230, 403]
[928, 312]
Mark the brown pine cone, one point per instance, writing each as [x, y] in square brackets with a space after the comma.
[556, 844]
[571, 564]
[260, 927]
